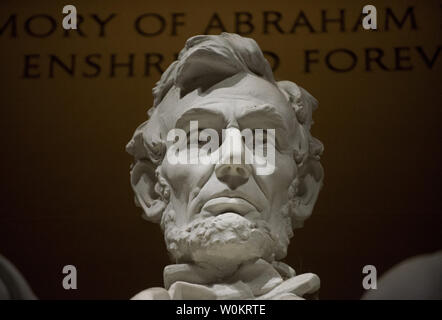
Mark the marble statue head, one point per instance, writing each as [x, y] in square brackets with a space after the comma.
[222, 214]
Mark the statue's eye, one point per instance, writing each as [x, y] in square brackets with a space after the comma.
[202, 143]
[196, 140]
[259, 137]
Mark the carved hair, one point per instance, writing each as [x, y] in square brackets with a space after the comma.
[203, 62]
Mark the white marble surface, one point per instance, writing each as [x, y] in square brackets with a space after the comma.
[225, 226]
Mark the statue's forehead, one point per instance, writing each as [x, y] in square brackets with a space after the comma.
[229, 97]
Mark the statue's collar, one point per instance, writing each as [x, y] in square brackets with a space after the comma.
[260, 279]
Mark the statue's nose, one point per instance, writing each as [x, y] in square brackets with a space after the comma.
[232, 170]
[233, 175]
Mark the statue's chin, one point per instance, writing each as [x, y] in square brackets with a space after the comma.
[231, 251]
[222, 242]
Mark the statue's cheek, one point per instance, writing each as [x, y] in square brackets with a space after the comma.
[182, 178]
[286, 168]
[277, 183]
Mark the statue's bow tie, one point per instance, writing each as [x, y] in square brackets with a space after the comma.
[259, 280]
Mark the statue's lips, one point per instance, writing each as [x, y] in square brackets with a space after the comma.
[221, 205]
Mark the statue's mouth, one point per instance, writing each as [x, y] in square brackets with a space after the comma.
[220, 205]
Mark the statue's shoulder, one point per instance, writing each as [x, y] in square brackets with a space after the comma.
[155, 293]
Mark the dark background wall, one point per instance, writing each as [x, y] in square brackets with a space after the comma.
[66, 197]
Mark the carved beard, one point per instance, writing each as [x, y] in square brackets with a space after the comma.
[225, 241]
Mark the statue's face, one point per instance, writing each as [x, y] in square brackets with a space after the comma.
[221, 213]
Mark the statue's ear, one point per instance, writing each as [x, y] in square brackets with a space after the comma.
[143, 181]
[309, 183]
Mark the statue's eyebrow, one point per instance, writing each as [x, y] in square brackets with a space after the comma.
[263, 116]
[209, 118]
